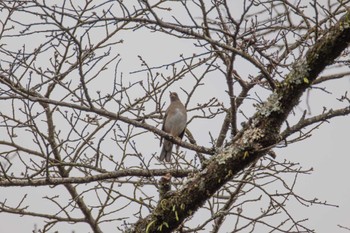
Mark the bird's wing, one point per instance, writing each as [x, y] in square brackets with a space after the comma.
[182, 133]
[163, 126]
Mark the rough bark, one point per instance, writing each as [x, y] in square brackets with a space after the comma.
[254, 140]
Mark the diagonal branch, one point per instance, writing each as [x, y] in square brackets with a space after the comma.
[23, 93]
[255, 141]
[316, 119]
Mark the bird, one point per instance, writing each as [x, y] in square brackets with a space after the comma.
[174, 123]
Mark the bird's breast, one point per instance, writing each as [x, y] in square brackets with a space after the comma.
[176, 122]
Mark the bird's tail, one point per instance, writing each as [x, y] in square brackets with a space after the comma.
[166, 151]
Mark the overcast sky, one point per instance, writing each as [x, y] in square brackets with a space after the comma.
[327, 151]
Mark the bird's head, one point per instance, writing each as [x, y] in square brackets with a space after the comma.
[174, 96]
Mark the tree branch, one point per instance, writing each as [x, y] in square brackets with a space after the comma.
[11, 182]
[254, 141]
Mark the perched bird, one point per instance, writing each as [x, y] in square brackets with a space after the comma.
[174, 122]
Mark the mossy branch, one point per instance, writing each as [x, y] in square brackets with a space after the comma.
[255, 141]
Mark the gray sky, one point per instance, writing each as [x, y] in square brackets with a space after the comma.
[326, 151]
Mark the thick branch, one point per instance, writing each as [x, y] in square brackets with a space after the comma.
[256, 139]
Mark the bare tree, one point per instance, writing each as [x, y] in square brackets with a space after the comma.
[81, 110]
